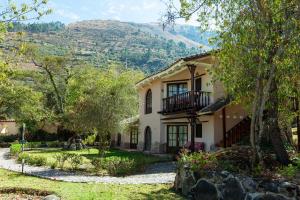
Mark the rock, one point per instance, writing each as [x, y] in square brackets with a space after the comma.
[204, 190]
[269, 186]
[270, 196]
[249, 184]
[73, 147]
[177, 183]
[187, 183]
[224, 174]
[196, 175]
[288, 189]
[51, 197]
[233, 189]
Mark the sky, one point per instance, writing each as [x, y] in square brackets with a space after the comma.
[139, 11]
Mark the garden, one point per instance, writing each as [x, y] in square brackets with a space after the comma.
[114, 162]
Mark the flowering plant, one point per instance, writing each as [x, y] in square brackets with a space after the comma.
[197, 161]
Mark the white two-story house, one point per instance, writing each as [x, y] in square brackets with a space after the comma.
[180, 106]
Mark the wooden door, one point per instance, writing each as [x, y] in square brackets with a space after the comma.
[147, 140]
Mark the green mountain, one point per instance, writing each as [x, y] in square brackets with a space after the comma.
[99, 42]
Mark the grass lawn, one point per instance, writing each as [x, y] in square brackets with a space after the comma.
[87, 191]
[89, 154]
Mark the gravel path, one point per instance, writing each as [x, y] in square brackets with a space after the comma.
[155, 174]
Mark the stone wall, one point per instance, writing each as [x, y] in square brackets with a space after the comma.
[226, 186]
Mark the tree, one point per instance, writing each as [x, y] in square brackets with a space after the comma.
[98, 100]
[259, 42]
[17, 100]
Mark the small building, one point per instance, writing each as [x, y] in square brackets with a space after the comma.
[181, 106]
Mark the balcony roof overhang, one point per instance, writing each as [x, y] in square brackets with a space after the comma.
[177, 67]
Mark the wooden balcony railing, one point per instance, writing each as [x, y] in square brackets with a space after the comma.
[183, 102]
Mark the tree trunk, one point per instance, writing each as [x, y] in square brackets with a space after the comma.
[255, 120]
[276, 139]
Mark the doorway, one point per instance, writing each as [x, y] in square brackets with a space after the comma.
[147, 140]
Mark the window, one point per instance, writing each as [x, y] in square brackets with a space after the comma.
[134, 138]
[176, 88]
[177, 135]
[148, 106]
[199, 131]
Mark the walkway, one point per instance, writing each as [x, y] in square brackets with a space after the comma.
[155, 174]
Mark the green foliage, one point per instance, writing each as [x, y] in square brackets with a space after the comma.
[90, 139]
[116, 166]
[75, 160]
[61, 159]
[198, 161]
[32, 160]
[15, 149]
[37, 27]
[8, 138]
[289, 171]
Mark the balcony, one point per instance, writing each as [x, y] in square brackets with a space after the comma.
[183, 102]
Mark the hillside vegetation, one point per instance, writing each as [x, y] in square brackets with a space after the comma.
[99, 42]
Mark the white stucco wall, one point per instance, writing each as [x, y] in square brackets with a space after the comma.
[152, 119]
[9, 128]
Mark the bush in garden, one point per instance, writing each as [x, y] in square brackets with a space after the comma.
[37, 160]
[289, 171]
[75, 160]
[115, 166]
[15, 149]
[198, 161]
[61, 158]
[32, 160]
[24, 156]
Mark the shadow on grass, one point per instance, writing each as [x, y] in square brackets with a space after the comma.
[162, 194]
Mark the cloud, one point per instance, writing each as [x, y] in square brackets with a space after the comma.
[67, 14]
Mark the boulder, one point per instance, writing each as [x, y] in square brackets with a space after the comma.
[249, 184]
[288, 189]
[269, 186]
[187, 183]
[270, 196]
[233, 189]
[204, 190]
[51, 197]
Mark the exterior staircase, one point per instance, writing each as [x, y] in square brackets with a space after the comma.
[237, 133]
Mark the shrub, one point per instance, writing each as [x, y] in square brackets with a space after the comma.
[289, 171]
[61, 159]
[198, 161]
[32, 160]
[53, 165]
[115, 166]
[24, 156]
[15, 149]
[75, 160]
[37, 160]
[90, 140]
[8, 138]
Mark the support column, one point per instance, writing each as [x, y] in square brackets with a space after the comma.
[224, 127]
[192, 69]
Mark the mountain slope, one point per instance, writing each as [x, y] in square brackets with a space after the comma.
[99, 42]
